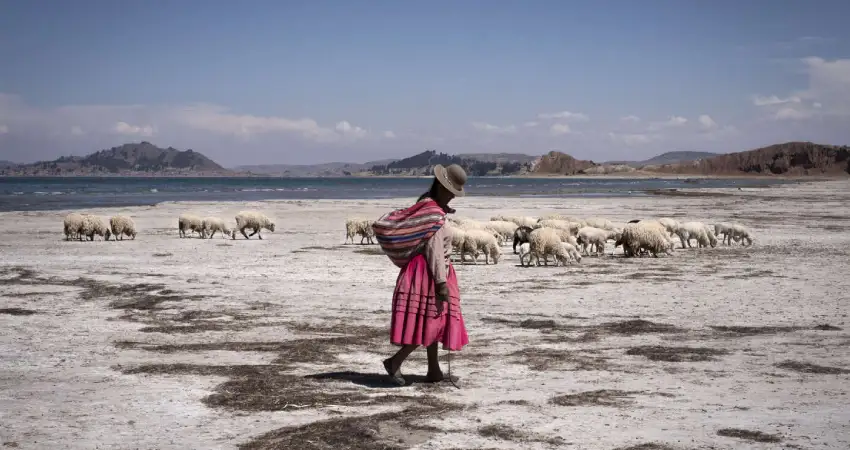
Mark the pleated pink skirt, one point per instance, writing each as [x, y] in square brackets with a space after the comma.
[414, 317]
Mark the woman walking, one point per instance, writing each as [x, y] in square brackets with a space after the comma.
[426, 300]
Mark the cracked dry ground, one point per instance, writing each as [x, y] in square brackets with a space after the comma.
[721, 348]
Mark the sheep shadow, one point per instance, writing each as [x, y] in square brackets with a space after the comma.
[370, 380]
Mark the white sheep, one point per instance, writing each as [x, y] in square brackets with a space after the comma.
[211, 225]
[599, 222]
[545, 242]
[572, 251]
[671, 225]
[722, 229]
[94, 225]
[698, 231]
[359, 226]
[122, 226]
[519, 220]
[503, 228]
[595, 238]
[572, 227]
[71, 225]
[254, 220]
[524, 250]
[478, 241]
[646, 234]
[741, 233]
[190, 222]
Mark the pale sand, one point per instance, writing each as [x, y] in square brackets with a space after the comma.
[62, 385]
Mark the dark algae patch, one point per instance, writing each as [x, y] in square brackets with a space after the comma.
[804, 367]
[676, 354]
[749, 435]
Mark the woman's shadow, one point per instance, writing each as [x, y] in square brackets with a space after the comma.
[370, 380]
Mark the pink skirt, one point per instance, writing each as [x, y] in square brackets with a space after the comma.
[415, 320]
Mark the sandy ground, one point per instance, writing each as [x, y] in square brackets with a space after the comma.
[173, 343]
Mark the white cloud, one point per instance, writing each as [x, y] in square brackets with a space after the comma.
[566, 115]
[348, 130]
[4, 129]
[774, 100]
[389, 135]
[630, 118]
[133, 130]
[792, 114]
[559, 129]
[672, 121]
[707, 122]
[483, 126]
[531, 124]
[76, 130]
[816, 105]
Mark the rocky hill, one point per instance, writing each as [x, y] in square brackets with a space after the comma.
[332, 169]
[6, 164]
[790, 158]
[665, 158]
[560, 164]
[422, 164]
[141, 158]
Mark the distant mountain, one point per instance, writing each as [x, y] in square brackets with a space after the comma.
[666, 158]
[561, 164]
[499, 157]
[423, 163]
[333, 169]
[128, 159]
[7, 164]
[789, 158]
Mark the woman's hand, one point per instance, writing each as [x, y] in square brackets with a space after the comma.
[442, 294]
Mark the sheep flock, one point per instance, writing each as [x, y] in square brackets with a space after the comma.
[563, 240]
[79, 226]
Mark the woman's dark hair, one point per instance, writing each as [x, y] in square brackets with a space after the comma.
[432, 193]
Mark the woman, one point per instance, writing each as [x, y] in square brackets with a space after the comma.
[426, 300]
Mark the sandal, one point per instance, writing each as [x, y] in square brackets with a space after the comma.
[396, 377]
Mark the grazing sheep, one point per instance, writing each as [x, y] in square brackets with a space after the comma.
[254, 220]
[93, 225]
[741, 233]
[361, 227]
[646, 234]
[572, 251]
[524, 250]
[698, 231]
[480, 241]
[504, 229]
[722, 229]
[211, 225]
[572, 227]
[71, 225]
[671, 225]
[190, 222]
[122, 226]
[519, 220]
[521, 236]
[599, 222]
[595, 238]
[545, 242]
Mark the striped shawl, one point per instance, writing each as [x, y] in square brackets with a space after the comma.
[403, 233]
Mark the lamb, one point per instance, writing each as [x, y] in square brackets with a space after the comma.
[478, 241]
[521, 236]
[595, 237]
[72, 224]
[723, 229]
[741, 233]
[646, 234]
[572, 251]
[545, 242]
[190, 222]
[524, 250]
[698, 231]
[358, 226]
[93, 225]
[212, 225]
[122, 226]
[254, 220]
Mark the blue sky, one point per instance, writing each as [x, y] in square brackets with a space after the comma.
[319, 81]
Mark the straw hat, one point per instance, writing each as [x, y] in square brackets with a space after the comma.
[452, 178]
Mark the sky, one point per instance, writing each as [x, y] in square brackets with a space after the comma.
[288, 82]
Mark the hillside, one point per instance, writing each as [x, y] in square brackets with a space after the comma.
[127, 159]
[422, 164]
[666, 158]
[499, 157]
[790, 158]
[332, 169]
[7, 164]
[561, 164]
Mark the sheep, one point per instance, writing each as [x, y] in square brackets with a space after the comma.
[519, 220]
[478, 241]
[209, 226]
[504, 228]
[190, 222]
[671, 225]
[698, 231]
[521, 236]
[572, 251]
[595, 237]
[722, 229]
[524, 250]
[254, 220]
[572, 227]
[646, 234]
[361, 227]
[545, 242]
[741, 233]
[72, 224]
[122, 226]
[599, 222]
[93, 225]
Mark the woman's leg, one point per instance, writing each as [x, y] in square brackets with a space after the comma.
[394, 362]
